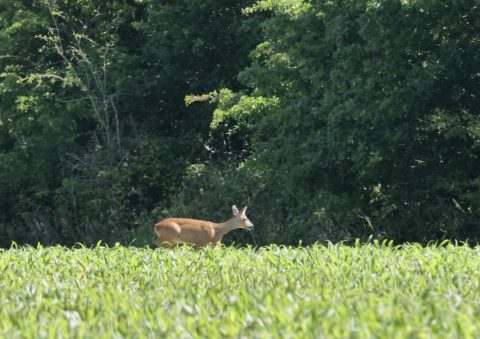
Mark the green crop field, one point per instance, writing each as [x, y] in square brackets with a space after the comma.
[361, 291]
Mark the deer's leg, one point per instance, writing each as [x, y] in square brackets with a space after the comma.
[200, 246]
[216, 241]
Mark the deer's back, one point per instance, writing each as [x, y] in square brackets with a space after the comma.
[185, 223]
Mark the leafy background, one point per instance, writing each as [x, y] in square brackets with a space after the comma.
[331, 120]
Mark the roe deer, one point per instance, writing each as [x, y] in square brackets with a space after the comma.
[172, 231]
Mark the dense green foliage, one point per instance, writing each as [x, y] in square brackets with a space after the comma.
[331, 119]
[94, 130]
[362, 117]
[336, 291]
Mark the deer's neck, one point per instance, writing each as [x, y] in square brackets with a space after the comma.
[225, 227]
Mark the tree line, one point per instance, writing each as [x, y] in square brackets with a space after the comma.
[332, 120]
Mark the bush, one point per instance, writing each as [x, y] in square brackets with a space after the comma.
[94, 130]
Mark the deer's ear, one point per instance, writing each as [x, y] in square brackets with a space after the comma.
[243, 211]
[234, 210]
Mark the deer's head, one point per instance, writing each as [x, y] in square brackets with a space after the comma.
[240, 217]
